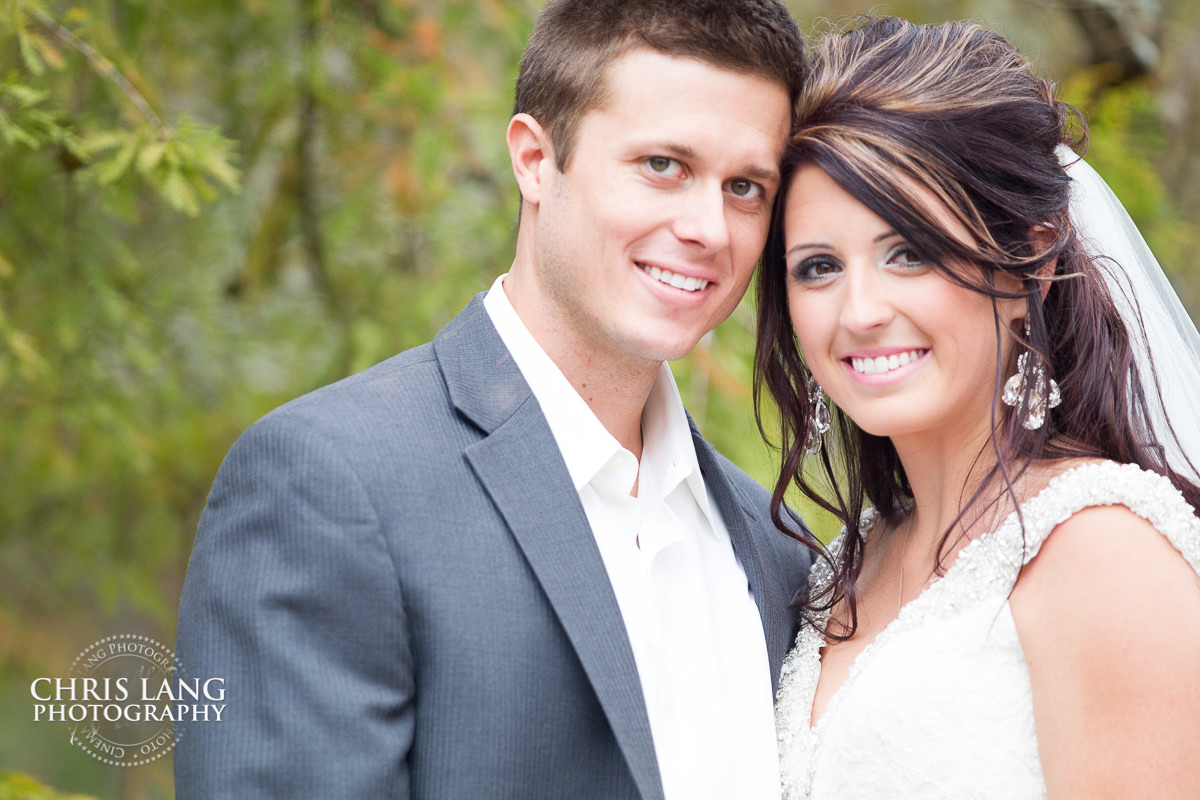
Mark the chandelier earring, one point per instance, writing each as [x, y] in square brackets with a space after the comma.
[1043, 391]
[819, 422]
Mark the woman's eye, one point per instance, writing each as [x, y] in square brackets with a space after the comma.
[906, 256]
[815, 269]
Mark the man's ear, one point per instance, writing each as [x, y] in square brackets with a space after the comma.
[532, 156]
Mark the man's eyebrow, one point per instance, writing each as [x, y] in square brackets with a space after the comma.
[760, 173]
[677, 150]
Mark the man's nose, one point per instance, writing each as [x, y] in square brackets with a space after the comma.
[702, 217]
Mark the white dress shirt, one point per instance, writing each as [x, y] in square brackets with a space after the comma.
[696, 633]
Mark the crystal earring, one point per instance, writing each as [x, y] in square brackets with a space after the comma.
[819, 422]
[1031, 372]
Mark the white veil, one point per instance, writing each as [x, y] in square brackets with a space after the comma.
[1157, 322]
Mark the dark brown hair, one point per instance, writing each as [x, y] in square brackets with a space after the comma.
[562, 74]
[955, 109]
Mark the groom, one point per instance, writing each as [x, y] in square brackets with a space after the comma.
[504, 564]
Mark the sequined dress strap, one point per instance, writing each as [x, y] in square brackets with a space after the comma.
[983, 572]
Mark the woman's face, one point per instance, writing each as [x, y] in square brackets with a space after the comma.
[899, 348]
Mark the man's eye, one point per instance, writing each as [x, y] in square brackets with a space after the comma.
[664, 165]
[745, 189]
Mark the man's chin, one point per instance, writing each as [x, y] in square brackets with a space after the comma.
[669, 348]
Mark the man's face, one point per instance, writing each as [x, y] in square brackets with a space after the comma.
[649, 238]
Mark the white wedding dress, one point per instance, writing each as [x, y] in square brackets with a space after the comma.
[940, 705]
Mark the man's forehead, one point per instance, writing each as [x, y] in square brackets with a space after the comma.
[673, 95]
[656, 78]
[636, 55]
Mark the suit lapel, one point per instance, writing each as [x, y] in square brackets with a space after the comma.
[745, 526]
[520, 466]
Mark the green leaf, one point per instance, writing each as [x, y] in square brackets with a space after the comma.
[25, 96]
[15, 134]
[204, 150]
[21, 346]
[217, 165]
[28, 54]
[18, 786]
[109, 171]
[151, 155]
[179, 193]
[100, 141]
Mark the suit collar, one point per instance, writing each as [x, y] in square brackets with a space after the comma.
[484, 382]
[746, 524]
[521, 468]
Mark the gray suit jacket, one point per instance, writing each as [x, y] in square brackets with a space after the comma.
[395, 577]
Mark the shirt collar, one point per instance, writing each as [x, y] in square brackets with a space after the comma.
[668, 450]
[586, 445]
[591, 453]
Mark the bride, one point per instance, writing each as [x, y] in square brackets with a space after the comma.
[964, 378]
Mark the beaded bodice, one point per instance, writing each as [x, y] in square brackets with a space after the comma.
[940, 704]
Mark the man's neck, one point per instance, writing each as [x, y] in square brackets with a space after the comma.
[616, 394]
[614, 386]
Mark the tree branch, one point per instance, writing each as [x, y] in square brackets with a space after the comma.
[102, 66]
[306, 173]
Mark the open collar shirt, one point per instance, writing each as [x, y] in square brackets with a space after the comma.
[695, 631]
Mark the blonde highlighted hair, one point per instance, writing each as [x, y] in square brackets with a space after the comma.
[954, 109]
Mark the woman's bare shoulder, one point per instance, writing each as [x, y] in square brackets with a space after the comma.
[1108, 614]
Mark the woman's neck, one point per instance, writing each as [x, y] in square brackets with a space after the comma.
[945, 473]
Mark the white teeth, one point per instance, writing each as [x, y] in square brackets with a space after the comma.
[882, 364]
[674, 279]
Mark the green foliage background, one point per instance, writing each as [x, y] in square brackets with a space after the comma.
[208, 207]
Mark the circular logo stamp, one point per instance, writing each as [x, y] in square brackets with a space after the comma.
[119, 700]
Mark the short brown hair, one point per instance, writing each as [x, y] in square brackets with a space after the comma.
[562, 73]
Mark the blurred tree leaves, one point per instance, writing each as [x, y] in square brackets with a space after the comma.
[178, 162]
[90, 371]
[16, 786]
[24, 120]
